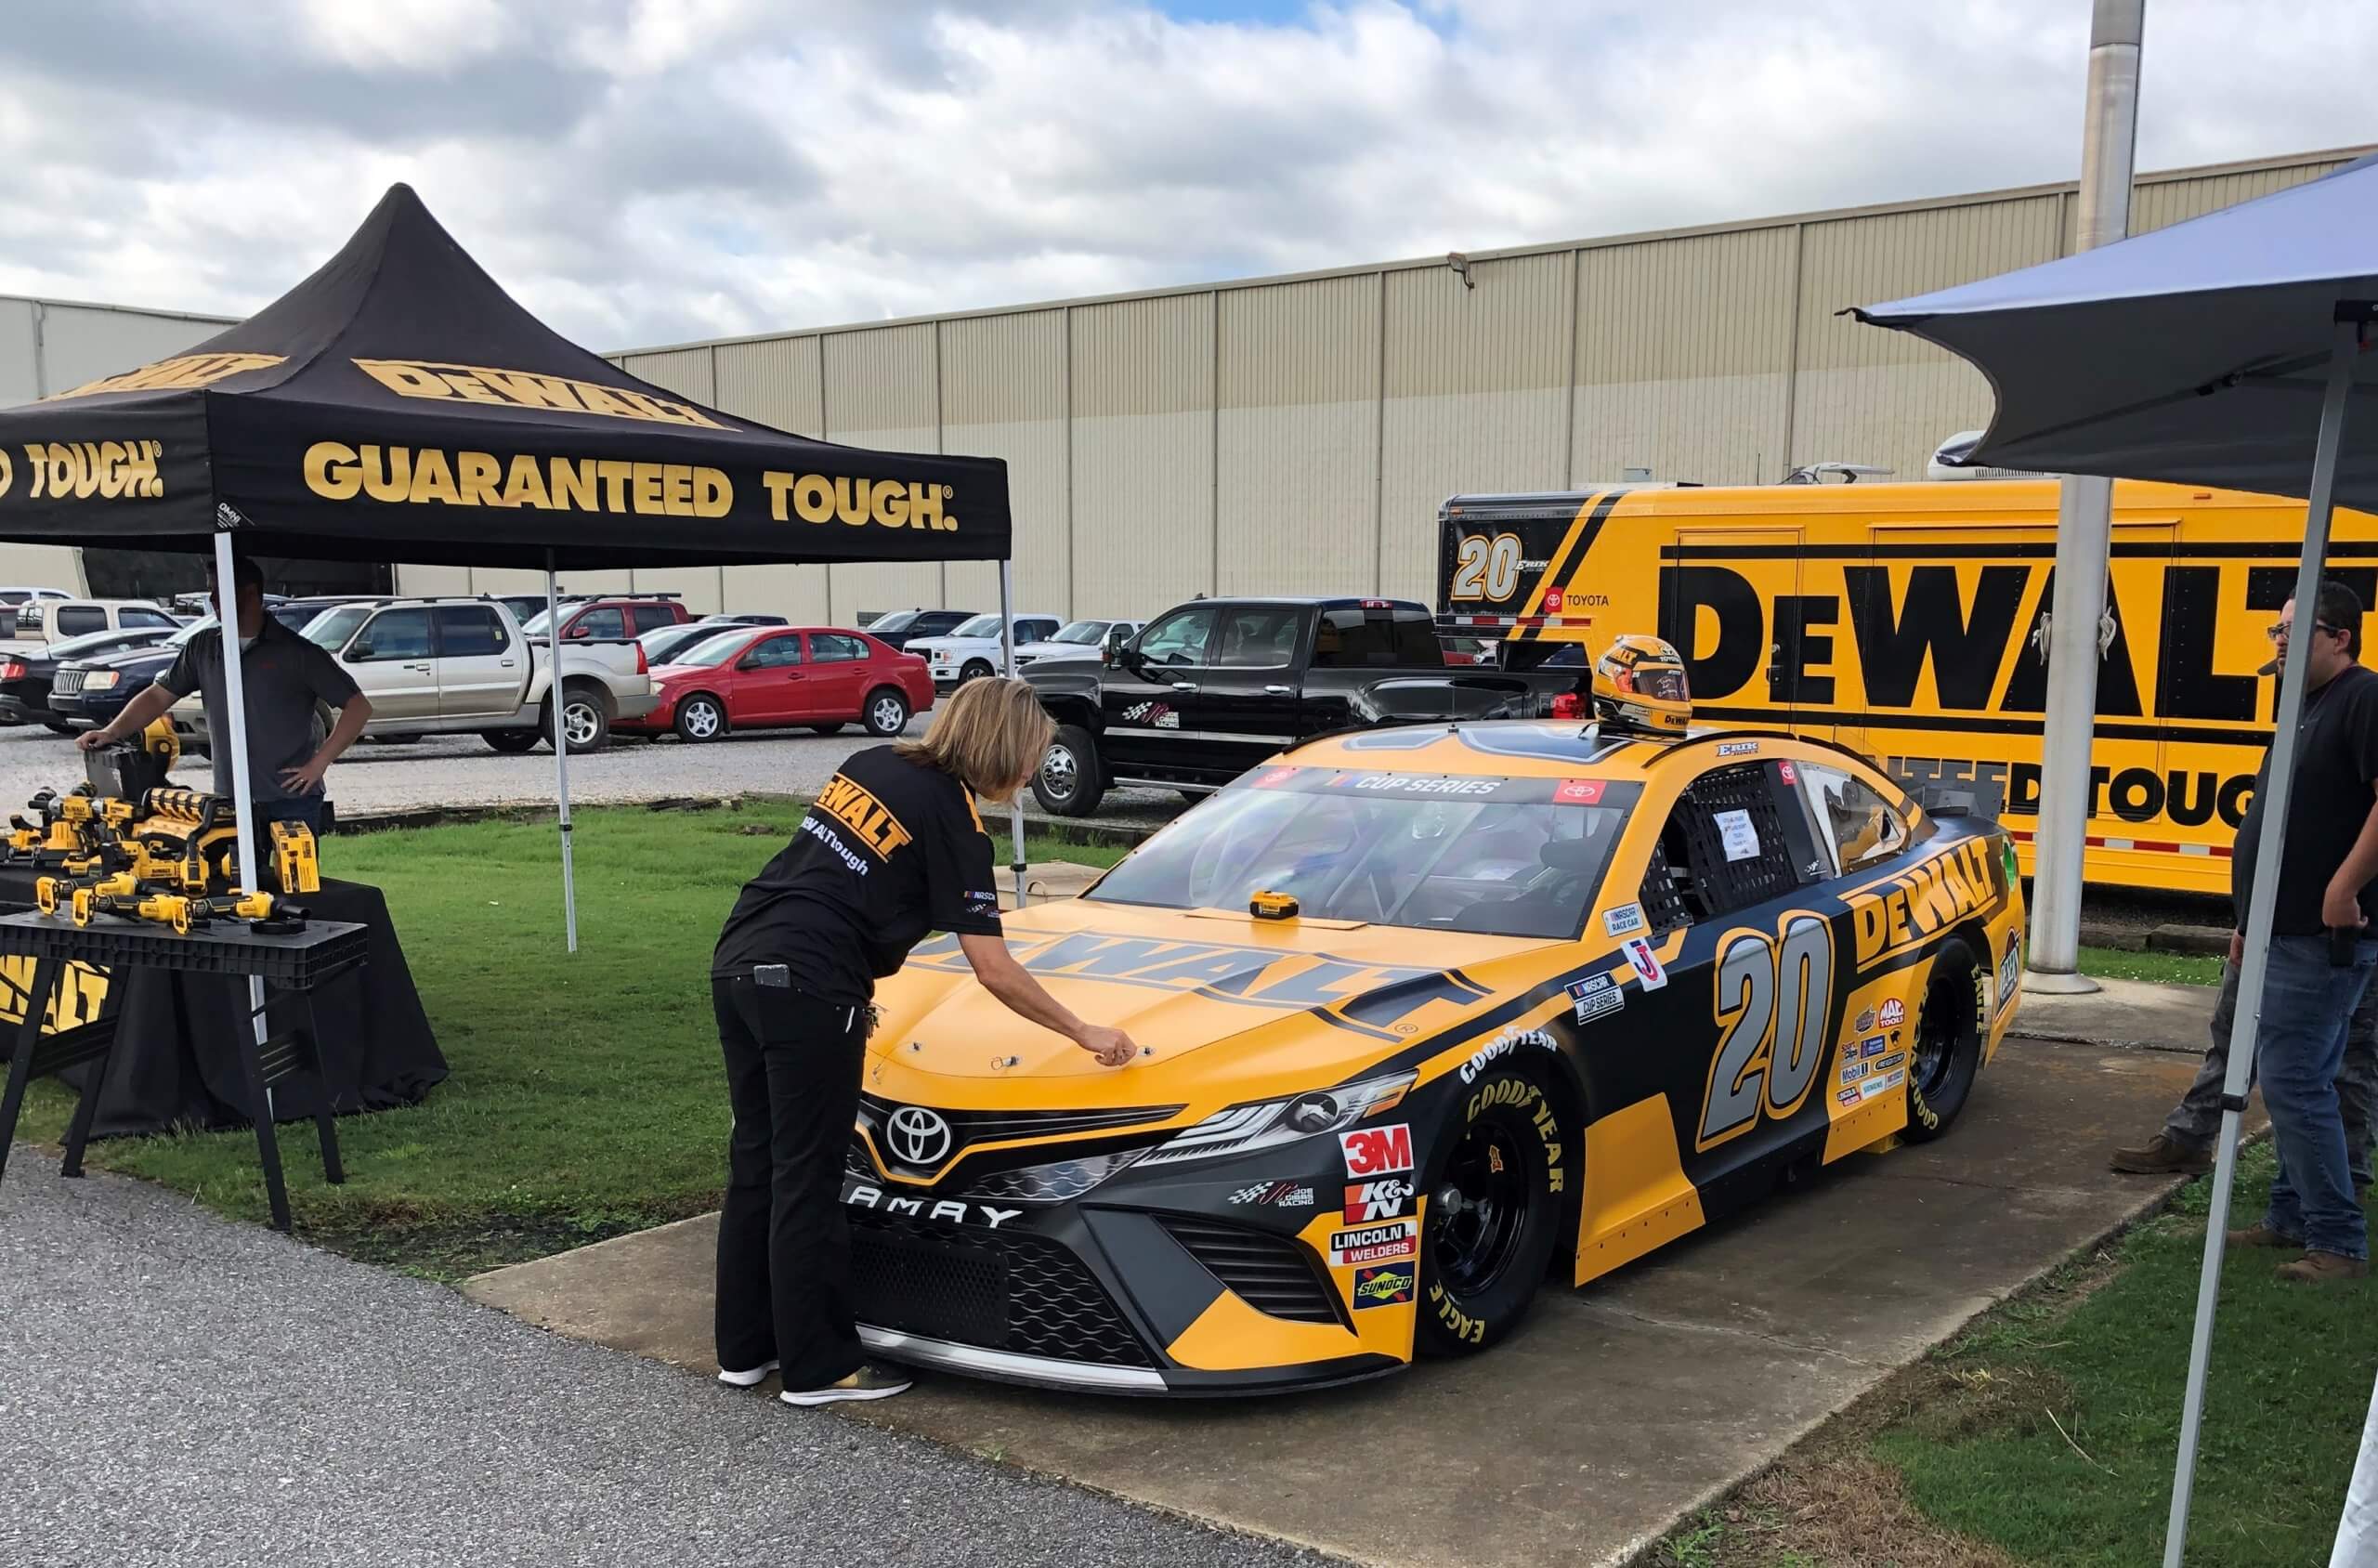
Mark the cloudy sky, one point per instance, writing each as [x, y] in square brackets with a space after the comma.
[650, 171]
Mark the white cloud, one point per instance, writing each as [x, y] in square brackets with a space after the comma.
[642, 170]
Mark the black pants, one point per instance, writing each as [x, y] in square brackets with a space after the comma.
[784, 1294]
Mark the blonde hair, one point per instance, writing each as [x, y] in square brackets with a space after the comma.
[989, 736]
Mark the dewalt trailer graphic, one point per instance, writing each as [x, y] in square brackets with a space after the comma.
[1907, 622]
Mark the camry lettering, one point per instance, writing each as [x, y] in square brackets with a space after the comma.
[863, 1196]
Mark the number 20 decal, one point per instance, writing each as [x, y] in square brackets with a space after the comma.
[1486, 569]
[1774, 1004]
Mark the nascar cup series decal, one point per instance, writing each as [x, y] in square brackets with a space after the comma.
[1596, 995]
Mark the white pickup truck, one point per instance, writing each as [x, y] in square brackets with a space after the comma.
[461, 666]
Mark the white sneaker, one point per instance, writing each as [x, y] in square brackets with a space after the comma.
[864, 1383]
[745, 1379]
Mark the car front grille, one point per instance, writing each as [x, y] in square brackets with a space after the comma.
[970, 1128]
[1014, 1291]
[1270, 1273]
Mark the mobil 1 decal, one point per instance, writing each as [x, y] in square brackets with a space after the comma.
[1946, 638]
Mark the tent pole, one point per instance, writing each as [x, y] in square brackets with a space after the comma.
[1007, 667]
[554, 695]
[235, 698]
[2344, 348]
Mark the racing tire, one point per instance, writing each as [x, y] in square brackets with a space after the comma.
[586, 722]
[1944, 1050]
[1071, 780]
[1494, 1210]
[885, 713]
[973, 670]
[512, 741]
[700, 717]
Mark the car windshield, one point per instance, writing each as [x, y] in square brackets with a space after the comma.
[898, 620]
[1092, 632]
[334, 626]
[536, 626]
[1509, 856]
[717, 650]
[981, 626]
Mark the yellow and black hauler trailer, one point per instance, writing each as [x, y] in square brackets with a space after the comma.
[1907, 622]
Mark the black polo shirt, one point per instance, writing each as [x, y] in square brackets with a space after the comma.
[2336, 762]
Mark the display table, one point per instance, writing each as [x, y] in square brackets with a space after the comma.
[179, 1036]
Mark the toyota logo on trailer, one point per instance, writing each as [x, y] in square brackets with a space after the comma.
[918, 1136]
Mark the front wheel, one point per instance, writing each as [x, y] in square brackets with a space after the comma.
[1071, 781]
[1945, 1052]
[1496, 1185]
[886, 712]
[973, 670]
[585, 725]
[513, 741]
[700, 718]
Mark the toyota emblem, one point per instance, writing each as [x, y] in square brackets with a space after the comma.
[919, 1137]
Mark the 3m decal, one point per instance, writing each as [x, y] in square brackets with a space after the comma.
[1894, 1014]
[1645, 961]
[1908, 910]
[1577, 791]
[1624, 919]
[1738, 748]
[1367, 1201]
[1391, 1243]
[1502, 1045]
[1596, 995]
[1772, 1001]
[1377, 1151]
[1279, 1195]
[1390, 1285]
[1741, 839]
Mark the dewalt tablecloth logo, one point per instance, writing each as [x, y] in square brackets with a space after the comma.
[176, 374]
[524, 389]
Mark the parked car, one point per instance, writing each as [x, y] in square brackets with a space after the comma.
[745, 620]
[297, 614]
[768, 677]
[12, 597]
[613, 617]
[1075, 639]
[973, 648]
[448, 666]
[899, 626]
[25, 678]
[89, 691]
[1209, 689]
[662, 645]
[40, 622]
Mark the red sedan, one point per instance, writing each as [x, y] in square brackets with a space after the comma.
[766, 677]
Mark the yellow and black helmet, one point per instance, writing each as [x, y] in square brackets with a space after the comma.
[1639, 685]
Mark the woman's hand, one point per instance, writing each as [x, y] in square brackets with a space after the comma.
[1112, 1047]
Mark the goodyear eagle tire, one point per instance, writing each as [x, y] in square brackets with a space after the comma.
[1071, 779]
[1944, 1052]
[1495, 1195]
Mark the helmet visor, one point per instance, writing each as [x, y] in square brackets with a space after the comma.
[1665, 685]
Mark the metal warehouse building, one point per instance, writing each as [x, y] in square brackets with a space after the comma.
[1296, 435]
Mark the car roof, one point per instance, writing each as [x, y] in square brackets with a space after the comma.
[1545, 748]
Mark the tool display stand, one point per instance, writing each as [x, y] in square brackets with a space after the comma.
[300, 963]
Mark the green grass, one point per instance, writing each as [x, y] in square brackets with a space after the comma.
[587, 1098]
[2106, 1350]
[2181, 969]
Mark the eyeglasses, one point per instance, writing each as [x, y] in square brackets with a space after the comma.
[2277, 630]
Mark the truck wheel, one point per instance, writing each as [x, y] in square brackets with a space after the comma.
[513, 741]
[886, 712]
[1493, 1193]
[584, 722]
[1071, 779]
[974, 670]
[700, 718]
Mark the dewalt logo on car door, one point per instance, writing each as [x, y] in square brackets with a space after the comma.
[1908, 622]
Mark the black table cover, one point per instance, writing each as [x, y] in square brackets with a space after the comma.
[175, 1063]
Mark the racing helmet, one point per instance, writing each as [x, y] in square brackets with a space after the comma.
[1639, 685]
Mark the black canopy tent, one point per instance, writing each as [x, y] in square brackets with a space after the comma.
[398, 405]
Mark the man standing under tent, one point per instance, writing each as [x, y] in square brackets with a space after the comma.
[284, 676]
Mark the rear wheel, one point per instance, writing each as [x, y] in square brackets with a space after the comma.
[513, 741]
[1070, 783]
[1495, 1202]
[1945, 1050]
[886, 711]
[700, 718]
[585, 725]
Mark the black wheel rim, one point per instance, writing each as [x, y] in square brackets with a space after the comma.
[1477, 1233]
[1936, 1040]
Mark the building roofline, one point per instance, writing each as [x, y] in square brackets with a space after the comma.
[1554, 247]
[120, 308]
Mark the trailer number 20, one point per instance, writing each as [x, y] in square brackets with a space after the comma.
[1774, 1006]
[1485, 568]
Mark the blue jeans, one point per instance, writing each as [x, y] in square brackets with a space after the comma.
[2299, 1040]
[307, 809]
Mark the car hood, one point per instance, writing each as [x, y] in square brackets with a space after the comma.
[129, 661]
[1266, 1003]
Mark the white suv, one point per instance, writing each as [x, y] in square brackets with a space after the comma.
[973, 648]
[1075, 639]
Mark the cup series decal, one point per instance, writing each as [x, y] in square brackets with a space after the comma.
[1390, 1285]
[1377, 1151]
[1596, 995]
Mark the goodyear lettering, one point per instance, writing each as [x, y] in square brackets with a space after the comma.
[891, 503]
[424, 475]
[524, 389]
[80, 470]
[1520, 1093]
[1458, 1323]
[182, 372]
[862, 815]
[1923, 901]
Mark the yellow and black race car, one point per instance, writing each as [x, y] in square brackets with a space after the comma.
[1427, 1014]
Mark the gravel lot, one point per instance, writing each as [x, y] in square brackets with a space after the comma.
[462, 770]
[179, 1389]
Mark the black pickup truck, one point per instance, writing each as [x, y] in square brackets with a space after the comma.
[1211, 688]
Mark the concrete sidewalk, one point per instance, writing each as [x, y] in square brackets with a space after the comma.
[1617, 1410]
[2138, 1013]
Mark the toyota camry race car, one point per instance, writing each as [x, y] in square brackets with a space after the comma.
[1426, 1014]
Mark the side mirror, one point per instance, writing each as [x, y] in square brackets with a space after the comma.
[581, 629]
[1118, 646]
[359, 652]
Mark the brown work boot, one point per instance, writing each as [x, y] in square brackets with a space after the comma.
[2318, 1268]
[2160, 1156]
[2263, 1236]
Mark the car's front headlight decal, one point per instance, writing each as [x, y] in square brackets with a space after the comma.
[1058, 1181]
[1270, 1123]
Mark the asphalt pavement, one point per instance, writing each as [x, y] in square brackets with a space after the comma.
[179, 1389]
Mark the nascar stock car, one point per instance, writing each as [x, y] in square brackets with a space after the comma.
[1426, 1014]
